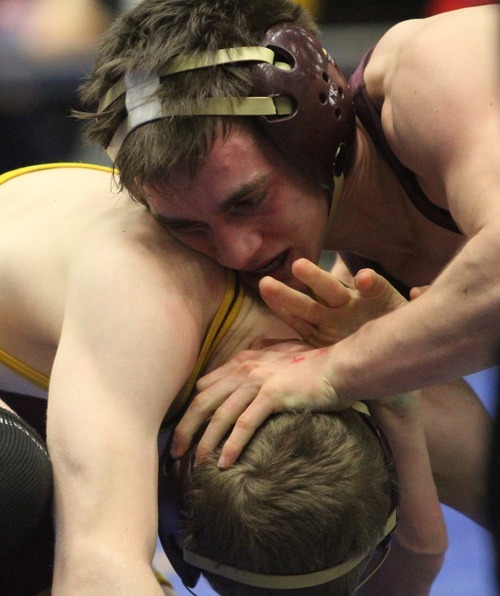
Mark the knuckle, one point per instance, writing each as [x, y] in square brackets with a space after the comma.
[222, 414]
[243, 356]
[246, 367]
[201, 385]
[199, 407]
[245, 423]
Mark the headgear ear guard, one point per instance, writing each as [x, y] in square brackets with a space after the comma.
[319, 135]
[300, 98]
[173, 483]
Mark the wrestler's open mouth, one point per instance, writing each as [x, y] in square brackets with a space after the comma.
[271, 266]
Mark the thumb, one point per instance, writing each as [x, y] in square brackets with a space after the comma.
[371, 284]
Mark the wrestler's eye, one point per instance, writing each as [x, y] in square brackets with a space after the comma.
[185, 227]
[181, 226]
[248, 202]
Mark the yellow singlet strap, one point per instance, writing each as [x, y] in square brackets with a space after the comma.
[51, 166]
[224, 318]
[24, 370]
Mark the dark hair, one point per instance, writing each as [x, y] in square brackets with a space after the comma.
[148, 38]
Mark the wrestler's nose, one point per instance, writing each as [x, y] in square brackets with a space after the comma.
[236, 247]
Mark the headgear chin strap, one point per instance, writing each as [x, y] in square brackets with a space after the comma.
[281, 582]
[300, 99]
[188, 564]
[275, 582]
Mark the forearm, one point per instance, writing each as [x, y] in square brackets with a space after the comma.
[105, 512]
[110, 559]
[98, 569]
[417, 552]
[395, 577]
[421, 526]
[448, 332]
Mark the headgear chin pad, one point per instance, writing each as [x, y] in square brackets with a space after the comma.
[322, 125]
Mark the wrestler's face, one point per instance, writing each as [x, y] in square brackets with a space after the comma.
[245, 207]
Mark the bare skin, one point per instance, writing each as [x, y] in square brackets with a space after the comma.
[97, 307]
[403, 423]
[451, 330]
[93, 292]
[449, 410]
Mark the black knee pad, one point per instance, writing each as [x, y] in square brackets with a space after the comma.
[25, 480]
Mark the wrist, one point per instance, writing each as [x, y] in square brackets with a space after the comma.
[401, 419]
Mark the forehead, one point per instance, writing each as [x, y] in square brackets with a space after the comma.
[235, 159]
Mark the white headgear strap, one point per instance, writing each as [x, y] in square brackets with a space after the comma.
[143, 104]
[276, 582]
[281, 582]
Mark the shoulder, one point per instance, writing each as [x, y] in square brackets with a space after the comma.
[465, 39]
[427, 75]
[140, 304]
[93, 235]
[420, 39]
[130, 257]
[68, 236]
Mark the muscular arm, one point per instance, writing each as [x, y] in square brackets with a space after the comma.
[120, 362]
[452, 144]
[451, 330]
[450, 139]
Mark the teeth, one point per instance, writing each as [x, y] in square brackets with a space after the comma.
[271, 266]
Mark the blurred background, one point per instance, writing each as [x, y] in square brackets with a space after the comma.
[46, 49]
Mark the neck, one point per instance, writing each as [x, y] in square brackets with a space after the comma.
[360, 217]
[254, 321]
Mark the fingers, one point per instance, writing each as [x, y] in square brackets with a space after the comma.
[243, 362]
[242, 409]
[367, 282]
[213, 389]
[370, 284]
[294, 308]
[281, 381]
[234, 412]
[418, 291]
[324, 285]
[201, 408]
[302, 313]
[288, 303]
[285, 302]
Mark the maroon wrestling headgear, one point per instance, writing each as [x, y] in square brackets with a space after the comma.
[319, 135]
[300, 97]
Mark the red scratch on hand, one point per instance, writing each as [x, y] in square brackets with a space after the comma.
[296, 359]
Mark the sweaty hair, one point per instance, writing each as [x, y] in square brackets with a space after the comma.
[310, 491]
[149, 37]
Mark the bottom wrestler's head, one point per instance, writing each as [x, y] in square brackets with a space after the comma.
[309, 503]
